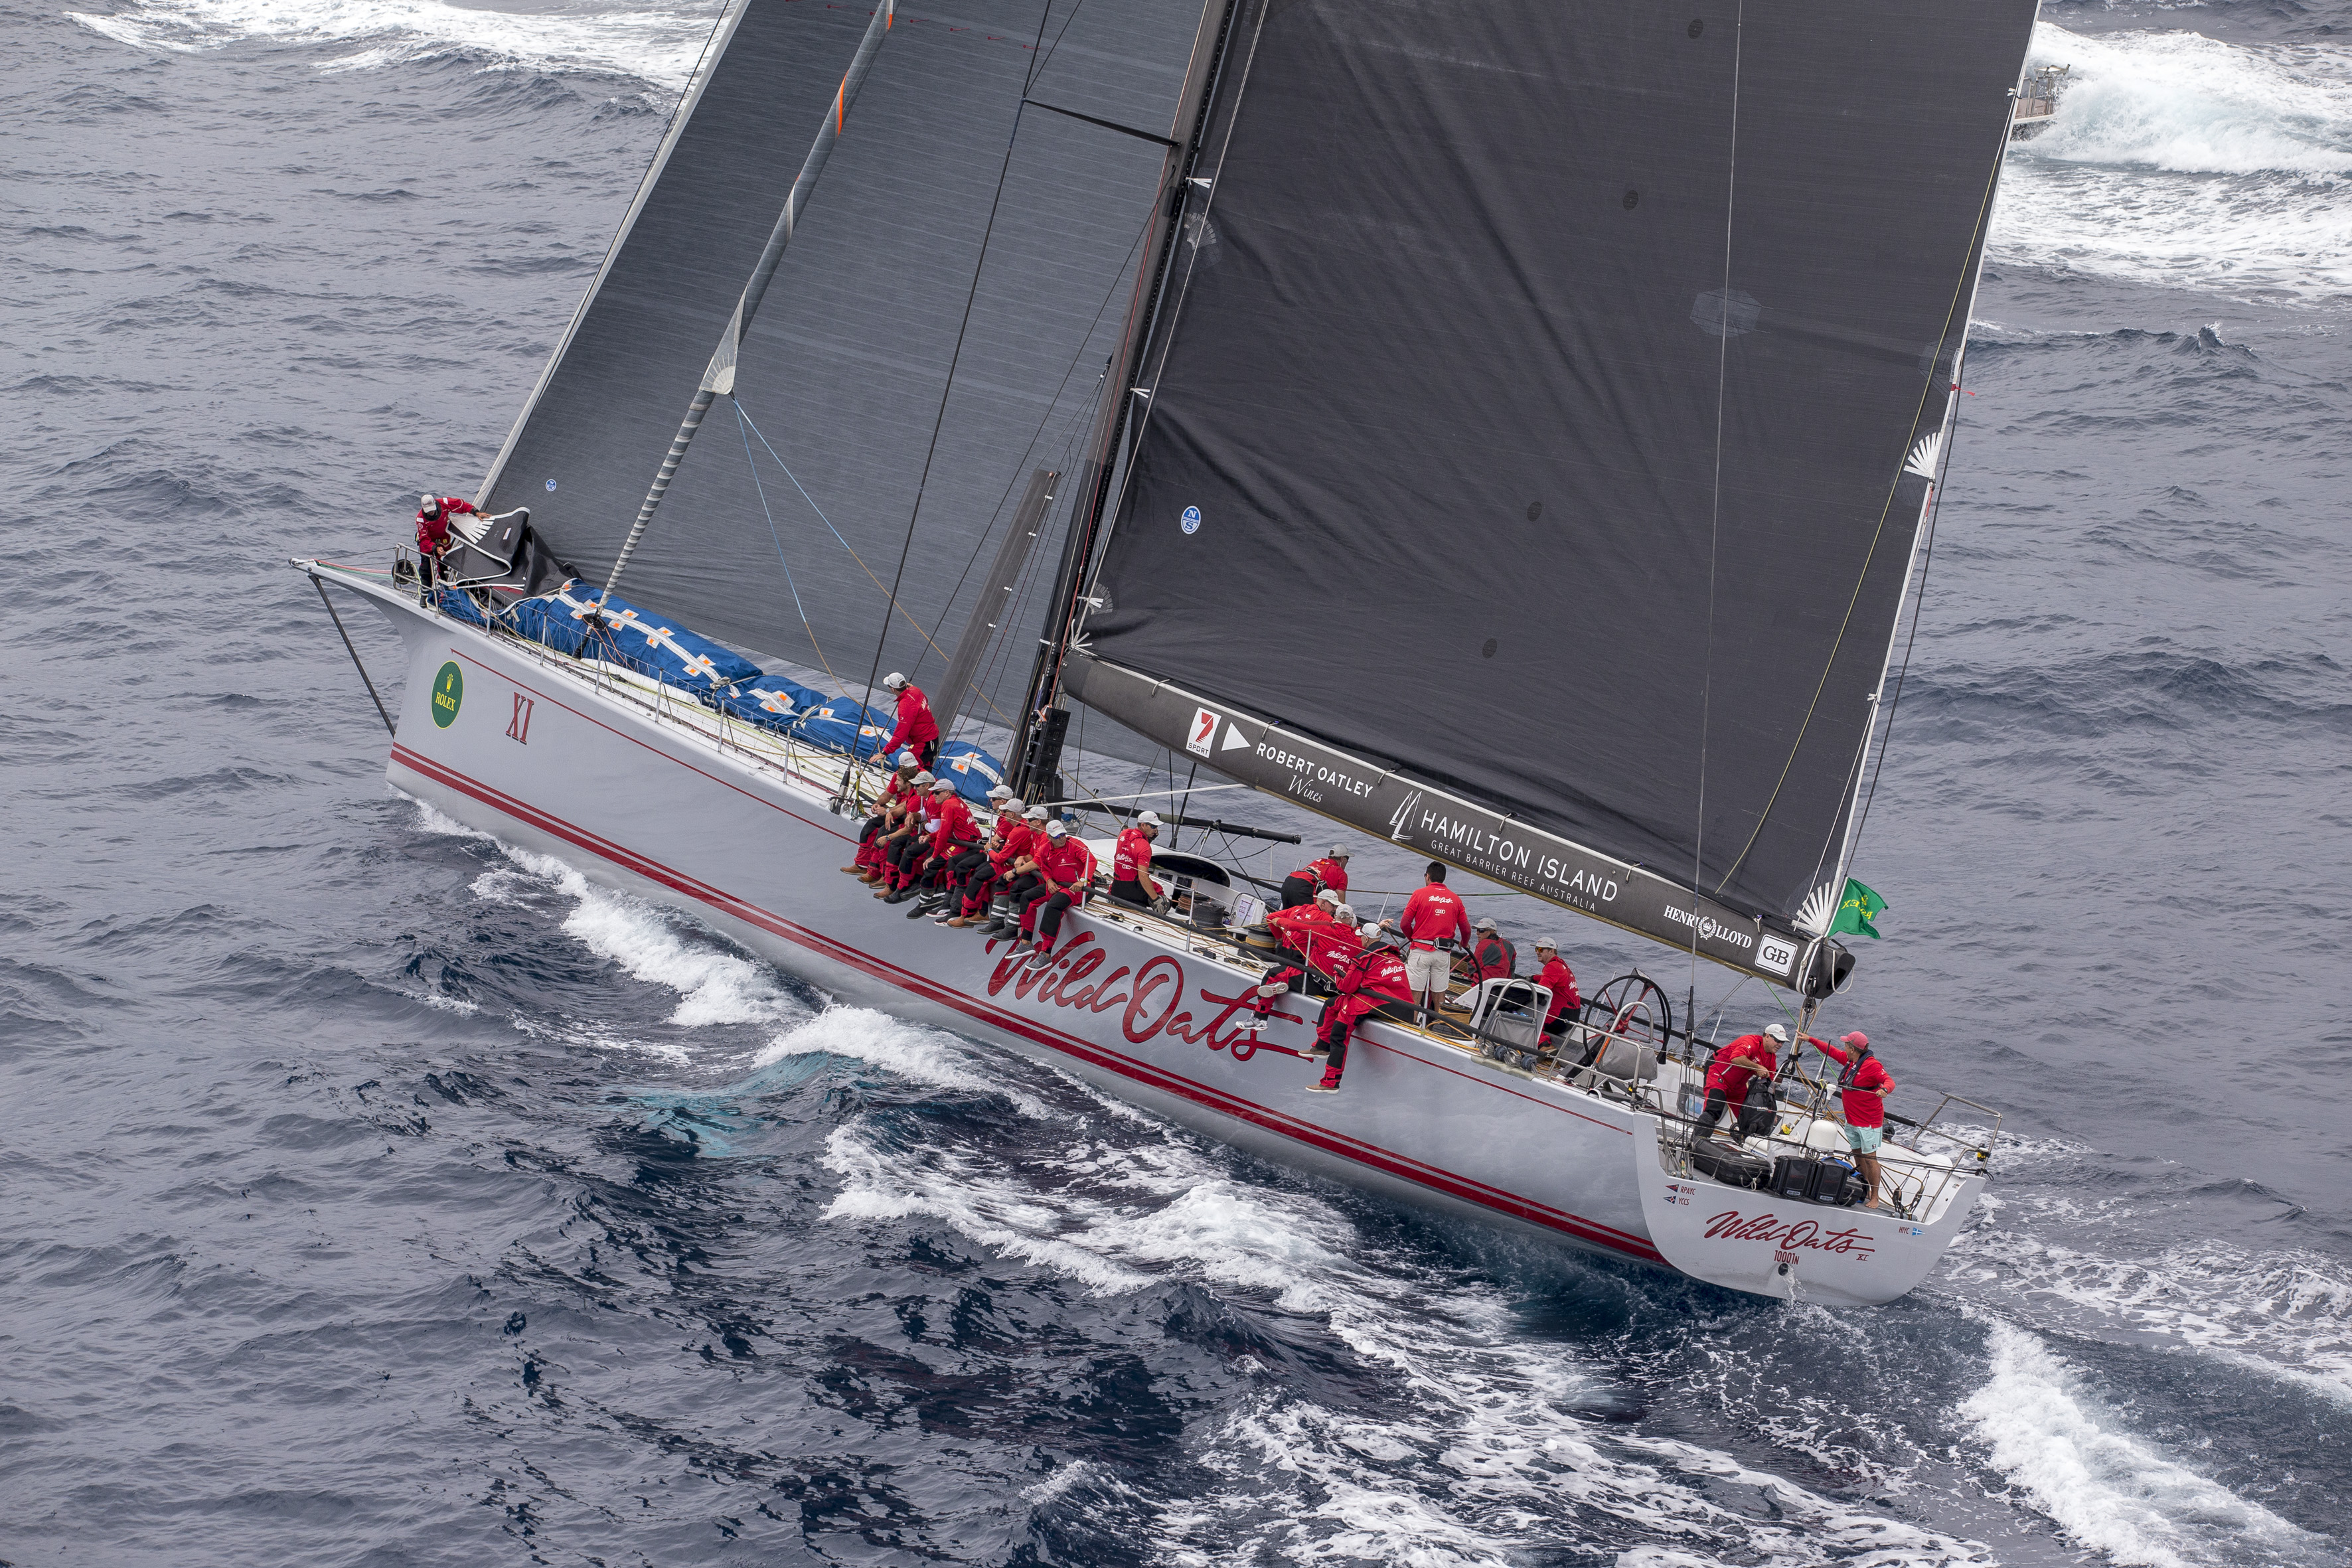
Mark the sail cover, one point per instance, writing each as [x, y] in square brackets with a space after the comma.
[843, 371]
[1533, 412]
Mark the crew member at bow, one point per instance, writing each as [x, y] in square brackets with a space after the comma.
[433, 515]
[1329, 873]
[1432, 921]
[1131, 862]
[919, 730]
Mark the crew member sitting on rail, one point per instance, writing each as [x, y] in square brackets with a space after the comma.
[1553, 973]
[1065, 870]
[1862, 1089]
[1495, 958]
[1432, 916]
[1318, 942]
[1130, 863]
[909, 840]
[1373, 981]
[1009, 840]
[867, 866]
[433, 515]
[1291, 927]
[918, 730]
[1728, 1077]
[954, 850]
[1020, 876]
[1329, 873]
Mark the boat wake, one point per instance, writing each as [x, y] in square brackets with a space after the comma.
[2179, 160]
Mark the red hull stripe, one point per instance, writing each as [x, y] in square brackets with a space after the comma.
[1403, 1166]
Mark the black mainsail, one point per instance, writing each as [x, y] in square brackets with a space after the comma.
[1530, 446]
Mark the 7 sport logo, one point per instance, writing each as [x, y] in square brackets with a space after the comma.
[1203, 731]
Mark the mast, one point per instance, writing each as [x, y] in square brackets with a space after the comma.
[1037, 734]
[720, 378]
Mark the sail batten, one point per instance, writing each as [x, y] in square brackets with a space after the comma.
[1538, 405]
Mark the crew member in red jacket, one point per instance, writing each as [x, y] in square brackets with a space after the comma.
[1329, 872]
[1020, 875]
[1433, 915]
[868, 864]
[1131, 862]
[1492, 951]
[954, 852]
[1553, 973]
[906, 845]
[918, 730]
[1066, 867]
[433, 515]
[1373, 981]
[1729, 1074]
[1009, 840]
[1319, 940]
[1862, 1089]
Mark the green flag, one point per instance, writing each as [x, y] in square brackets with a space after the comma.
[1860, 907]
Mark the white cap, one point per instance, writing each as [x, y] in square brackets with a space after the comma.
[945, 787]
[1038, 814]
[1338, 852]
[1544, 942]
[923, 778]
[1000, 793]
[1146, 820]
[1777, 1032]
[1011, 806]
[1344, 911]
[909, 760]
[893, 680]
[1327, 893]
[1485, 922]
[1055, 830]
[429, 502]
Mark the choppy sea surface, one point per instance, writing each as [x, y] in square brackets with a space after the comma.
[373, 1194]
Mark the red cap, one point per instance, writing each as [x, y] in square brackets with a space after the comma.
[1857, 1039]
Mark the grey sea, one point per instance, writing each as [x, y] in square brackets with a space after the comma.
[374, 1193]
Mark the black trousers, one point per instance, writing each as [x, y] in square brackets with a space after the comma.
[1131, 891]
[1297, 890]
[1046, 908]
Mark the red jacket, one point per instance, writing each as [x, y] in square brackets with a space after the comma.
[917, 727]
[1495, 958]
[1132, 860]
[1324, 873]
[1018, 840]
[433, 532]
[1376, 970]
[1434, 914]
[1862, 1107]
[1068, 864]
[1316, 934]
[955, 826]
[1563, 981]
[1738, 1062]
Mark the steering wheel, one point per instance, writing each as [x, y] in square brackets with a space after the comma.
[1631, 996]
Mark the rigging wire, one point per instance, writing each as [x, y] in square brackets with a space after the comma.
[741, 428]
[1714, 503]
[1926, 389]
[955, 359]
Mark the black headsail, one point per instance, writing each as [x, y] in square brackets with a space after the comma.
[842, 373]
[1541, 421]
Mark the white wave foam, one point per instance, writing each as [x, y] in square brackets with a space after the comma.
[907, 1050]
[1494, 1454]
[2107, 1489]
[657, 47]
[2179, 160]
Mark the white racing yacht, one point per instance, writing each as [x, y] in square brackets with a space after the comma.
[1517, 444]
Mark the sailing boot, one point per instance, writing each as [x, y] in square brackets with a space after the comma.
[1329, 1085]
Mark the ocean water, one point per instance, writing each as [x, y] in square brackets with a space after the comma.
[373, 1194]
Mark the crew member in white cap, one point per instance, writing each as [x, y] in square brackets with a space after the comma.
[433, 515]
[1131, 862]
[918, 730]
[1553, 973]
[1329, 872]
[1735, 1066]
[1065, 872]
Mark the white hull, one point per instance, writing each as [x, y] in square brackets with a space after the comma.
[644, 794]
